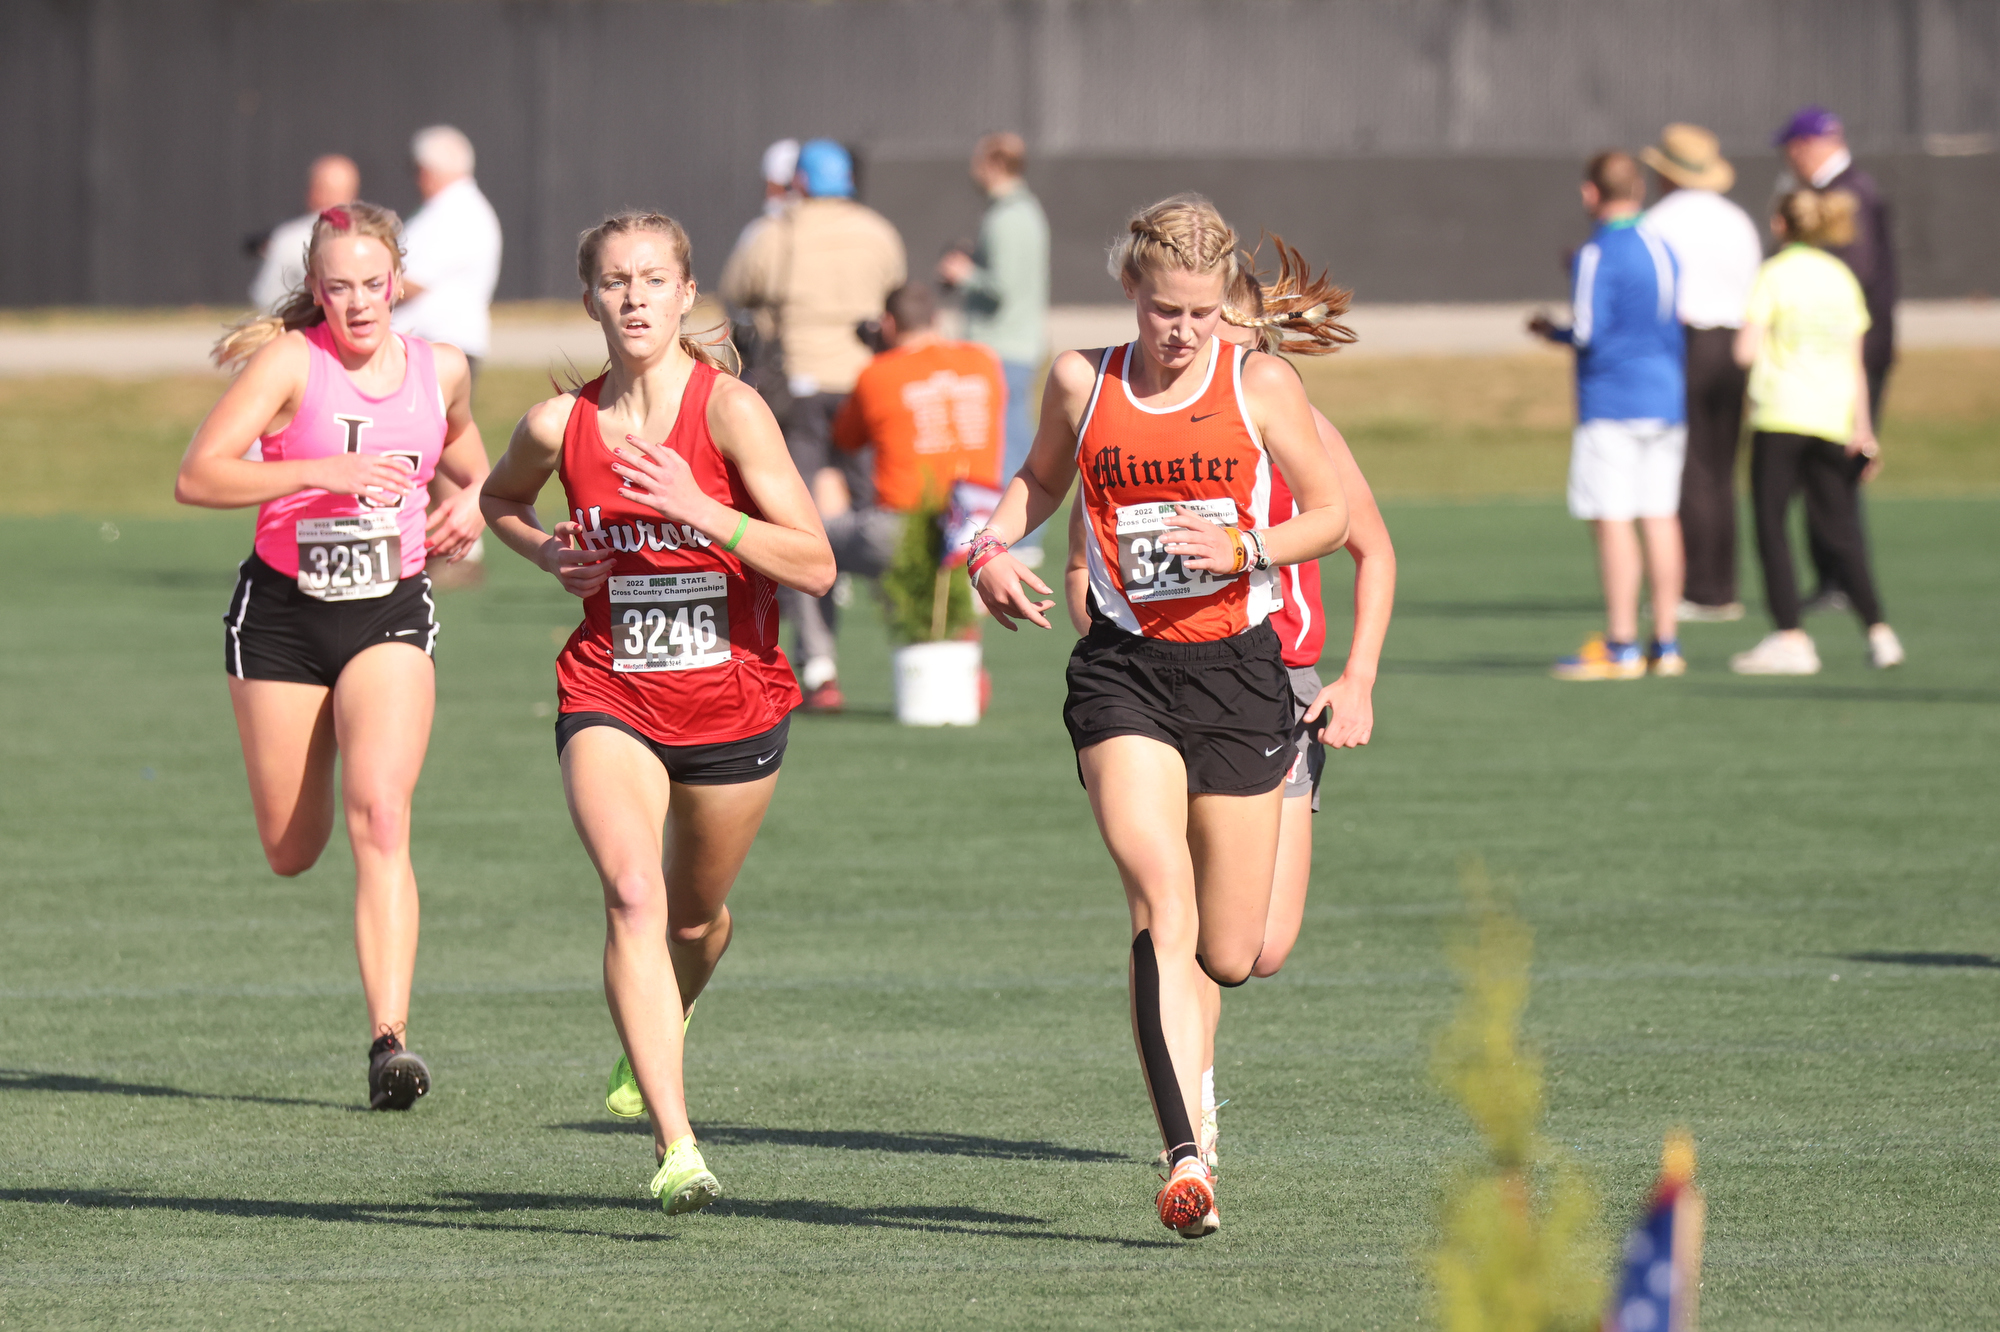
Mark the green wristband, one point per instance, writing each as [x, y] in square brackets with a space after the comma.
[742, 526]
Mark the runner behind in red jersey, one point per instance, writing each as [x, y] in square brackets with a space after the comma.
[330, 630]
[1178, 706]
[674, 700]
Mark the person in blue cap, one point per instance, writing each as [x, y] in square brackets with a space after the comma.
[1814, 143]
[824, 265]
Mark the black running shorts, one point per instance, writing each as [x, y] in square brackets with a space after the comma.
[273, 631]
[724, 763]
[1308, 750]
[1226, 706]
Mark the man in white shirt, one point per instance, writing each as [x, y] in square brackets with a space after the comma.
[1719, 251]
[451, 263]
[332, 180]
[452, 249]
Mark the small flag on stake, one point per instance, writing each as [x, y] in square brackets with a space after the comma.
[1660, 1283]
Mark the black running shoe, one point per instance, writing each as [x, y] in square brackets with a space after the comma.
[396, 1078]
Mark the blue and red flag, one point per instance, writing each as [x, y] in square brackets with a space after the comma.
[1659, 1285]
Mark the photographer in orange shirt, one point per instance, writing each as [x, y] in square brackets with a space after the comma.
[931, 410]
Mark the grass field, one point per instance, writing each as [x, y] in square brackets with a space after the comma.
[1765, 909]
[1423, 427]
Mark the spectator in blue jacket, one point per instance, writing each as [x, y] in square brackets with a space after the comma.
[1631, 413]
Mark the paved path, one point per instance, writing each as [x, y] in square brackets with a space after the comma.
[172, 345]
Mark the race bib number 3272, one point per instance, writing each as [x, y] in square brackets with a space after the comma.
[669, 622]
[1148, 573]
[349, 559]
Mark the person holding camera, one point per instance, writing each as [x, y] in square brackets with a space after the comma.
[822, 266]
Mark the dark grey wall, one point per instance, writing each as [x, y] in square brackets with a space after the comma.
[1423, 229]
[1426, 149]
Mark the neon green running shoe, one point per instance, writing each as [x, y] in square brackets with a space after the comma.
[621, 1095]
[684, 1183]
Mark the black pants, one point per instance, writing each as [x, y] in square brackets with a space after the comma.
[1822, 557]
[1715, 385]
[1780, 466]
[808, 430]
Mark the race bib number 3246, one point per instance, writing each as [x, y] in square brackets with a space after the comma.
[669, 622]
[1149, 573]
[349, 559]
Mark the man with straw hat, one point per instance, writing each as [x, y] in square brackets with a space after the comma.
[1718, 249]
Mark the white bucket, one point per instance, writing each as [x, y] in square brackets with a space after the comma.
[937, 684]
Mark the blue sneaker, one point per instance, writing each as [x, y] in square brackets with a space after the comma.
[1665, 659]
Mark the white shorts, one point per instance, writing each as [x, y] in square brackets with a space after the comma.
[1626, 469]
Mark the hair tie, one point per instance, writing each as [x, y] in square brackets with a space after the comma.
[337, 217]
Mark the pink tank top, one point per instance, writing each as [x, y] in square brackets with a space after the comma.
[337, 417]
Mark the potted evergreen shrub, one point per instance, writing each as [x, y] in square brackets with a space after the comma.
[928, 603]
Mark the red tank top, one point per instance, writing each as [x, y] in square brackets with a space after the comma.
[682, 643]
[1136, 463]
[1300, 619]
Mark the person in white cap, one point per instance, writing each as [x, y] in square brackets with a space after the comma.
[1718, 250]
[781, 169]
[452, 262]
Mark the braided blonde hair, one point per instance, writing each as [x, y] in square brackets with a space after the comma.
[300, 308]
[1294, 312]
[590, 245]
[1184, 232]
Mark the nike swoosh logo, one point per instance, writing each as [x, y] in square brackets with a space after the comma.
[400, 632]
[767, 758]
[1198, 419]
[1272, 750]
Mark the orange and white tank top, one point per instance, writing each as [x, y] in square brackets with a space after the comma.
[1136, 464]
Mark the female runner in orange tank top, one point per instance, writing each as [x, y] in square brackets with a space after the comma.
[674, 695]
[1179, 706]
[313, 675]
[1299, 315]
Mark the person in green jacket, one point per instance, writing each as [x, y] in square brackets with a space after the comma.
[1005, 284]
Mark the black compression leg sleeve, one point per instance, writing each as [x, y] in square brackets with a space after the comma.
[1167, 1103]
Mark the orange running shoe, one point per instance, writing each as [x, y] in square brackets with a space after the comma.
[1187, 1202]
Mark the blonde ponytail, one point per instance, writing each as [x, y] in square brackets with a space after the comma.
[1294, 313]
[300, 309]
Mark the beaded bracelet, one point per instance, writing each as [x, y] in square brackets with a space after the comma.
[980, 552]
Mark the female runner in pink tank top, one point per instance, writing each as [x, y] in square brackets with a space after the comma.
[330, 630]
[674, 698]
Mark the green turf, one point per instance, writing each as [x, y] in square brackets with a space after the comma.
[913, 1072]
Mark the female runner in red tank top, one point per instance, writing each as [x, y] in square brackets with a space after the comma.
[674, 700]
[1298, 315]
[1178, 707]
[330, 629]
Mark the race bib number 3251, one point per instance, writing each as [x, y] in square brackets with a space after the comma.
[669, 622]
[349, 559]
[1148, 573]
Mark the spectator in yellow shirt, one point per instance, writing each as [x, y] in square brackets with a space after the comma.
[1809, 414]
